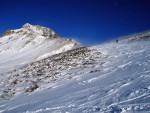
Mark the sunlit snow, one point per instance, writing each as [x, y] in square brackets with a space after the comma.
[107, 78]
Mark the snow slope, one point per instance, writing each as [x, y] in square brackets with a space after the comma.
[30, 43]
[107, 78]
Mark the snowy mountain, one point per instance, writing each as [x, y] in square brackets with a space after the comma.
[30, 43]
[108, 78]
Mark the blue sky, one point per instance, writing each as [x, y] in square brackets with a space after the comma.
[89, 22]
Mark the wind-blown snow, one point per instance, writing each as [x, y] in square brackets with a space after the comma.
[57, 51]
[29, 43]
[108, 78]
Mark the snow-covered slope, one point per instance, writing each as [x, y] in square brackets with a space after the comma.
[108, 78]
[30, 43]
[135, 37]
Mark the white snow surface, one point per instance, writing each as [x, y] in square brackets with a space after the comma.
[31, 43]
[60, 50]
[108, 78]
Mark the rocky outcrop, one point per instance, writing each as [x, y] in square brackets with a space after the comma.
[8, 32]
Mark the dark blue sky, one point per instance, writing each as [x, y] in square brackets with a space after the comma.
[87, 21]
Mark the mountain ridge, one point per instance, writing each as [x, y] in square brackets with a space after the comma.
[145, 35]
[32, 43]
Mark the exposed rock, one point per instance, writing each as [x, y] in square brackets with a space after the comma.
[8, 32]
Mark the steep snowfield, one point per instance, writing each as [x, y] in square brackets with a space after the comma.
[30, 43]
[108, 78]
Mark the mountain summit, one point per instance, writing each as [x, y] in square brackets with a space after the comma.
[31, 43]
[36, 30]
[40, 30]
